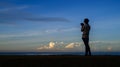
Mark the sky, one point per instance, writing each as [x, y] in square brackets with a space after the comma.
[54, 25]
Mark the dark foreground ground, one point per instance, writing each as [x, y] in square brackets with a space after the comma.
[60, 61]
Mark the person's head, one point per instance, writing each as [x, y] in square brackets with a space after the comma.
[82, 24]
[86, 20]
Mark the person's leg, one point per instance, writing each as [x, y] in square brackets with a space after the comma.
[84, 40]
[87, 46]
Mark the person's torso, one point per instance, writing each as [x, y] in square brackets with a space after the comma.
[86, 30]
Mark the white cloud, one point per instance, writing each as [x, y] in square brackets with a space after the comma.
[109, 48]
[43, 47]
[50, 46]
[71, 45]
[61, 42]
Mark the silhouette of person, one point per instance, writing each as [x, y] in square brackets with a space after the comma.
[85, 28]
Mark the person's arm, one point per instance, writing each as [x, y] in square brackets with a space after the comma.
[89, 27]
[82, 28]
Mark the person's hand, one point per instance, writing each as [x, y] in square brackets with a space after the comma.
[82, 24]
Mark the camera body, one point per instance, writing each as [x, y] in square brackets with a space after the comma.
[82, 24]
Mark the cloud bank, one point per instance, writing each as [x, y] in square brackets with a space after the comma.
[79, 46]
[59, 46]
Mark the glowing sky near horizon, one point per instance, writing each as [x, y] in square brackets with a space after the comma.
[53, 25]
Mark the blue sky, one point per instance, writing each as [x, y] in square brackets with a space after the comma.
[53, 25]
